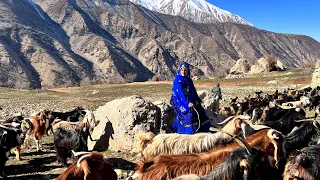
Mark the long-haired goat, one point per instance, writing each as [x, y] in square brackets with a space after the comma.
[151, 145]
[72, 116]
[39, 124]
[170, 166]
[305, 164]
[308, 133]
[27, 129]
[242, 164]
[88, 121]
[90, 166]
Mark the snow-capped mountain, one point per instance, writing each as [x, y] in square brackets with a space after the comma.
[193, 10]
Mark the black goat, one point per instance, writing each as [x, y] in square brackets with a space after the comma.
[286, 123]
[66, 140]
[9, 138]
[308, 133]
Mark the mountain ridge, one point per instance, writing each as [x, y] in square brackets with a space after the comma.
[193, 10]
[79, 43]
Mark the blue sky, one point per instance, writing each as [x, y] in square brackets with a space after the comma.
[281, 16]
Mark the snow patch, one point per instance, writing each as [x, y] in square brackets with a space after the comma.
[191, 8]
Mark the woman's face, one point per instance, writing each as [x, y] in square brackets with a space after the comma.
[183, 72]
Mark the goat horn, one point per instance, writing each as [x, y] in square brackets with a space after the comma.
[226, 120]
[272, 161]
[256, 126]
[78, 153]
[316, 124]
[239, 140]
[9, 128]
[304, 120]
[286, 107]
[82, 158]
[4, 127]
[272, 134]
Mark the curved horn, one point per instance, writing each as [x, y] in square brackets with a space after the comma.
[286, 107]
[5, 127]
[84, 157]
[272, 161]
[304, 120]
[239, 140]
[226, 120]
[244, 129]
[272, 134]
[78, 153]
[256, 126]
[316, 124]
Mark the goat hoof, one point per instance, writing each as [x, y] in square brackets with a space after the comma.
[3, 176]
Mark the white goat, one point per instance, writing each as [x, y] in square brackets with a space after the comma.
[150, 144]
[298, 104]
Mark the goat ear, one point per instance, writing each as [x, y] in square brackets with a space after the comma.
[5, 132]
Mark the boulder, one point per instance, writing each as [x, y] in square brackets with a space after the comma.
[256, 69]
[167, 116]
[120, 120]
[316, 75]
[262, 62]
[207, 99]
[280, 66]
[241, 67]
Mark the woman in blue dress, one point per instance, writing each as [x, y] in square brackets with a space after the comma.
[187, 104]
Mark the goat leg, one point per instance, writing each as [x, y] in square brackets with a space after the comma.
[2, 172]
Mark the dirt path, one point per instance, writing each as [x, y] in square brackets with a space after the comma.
[44, 166]
[35, 165]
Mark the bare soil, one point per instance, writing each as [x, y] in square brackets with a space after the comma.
[44, 166]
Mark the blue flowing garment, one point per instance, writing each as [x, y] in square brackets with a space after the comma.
[184, 92]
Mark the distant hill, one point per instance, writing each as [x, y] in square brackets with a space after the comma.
[46, 44]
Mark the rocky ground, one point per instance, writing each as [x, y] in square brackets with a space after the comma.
[35, 165]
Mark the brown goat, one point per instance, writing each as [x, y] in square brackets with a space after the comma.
[228, 111]
[90, 166]
[170, 166]
[39, 124]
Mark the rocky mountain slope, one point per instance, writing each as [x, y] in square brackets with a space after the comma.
[45, 44]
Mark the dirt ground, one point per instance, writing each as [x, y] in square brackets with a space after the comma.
[44, 166]
[35, 165]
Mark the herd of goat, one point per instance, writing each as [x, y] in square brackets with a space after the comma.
[264, 137]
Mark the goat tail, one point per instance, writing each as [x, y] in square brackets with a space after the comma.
[143, 139]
